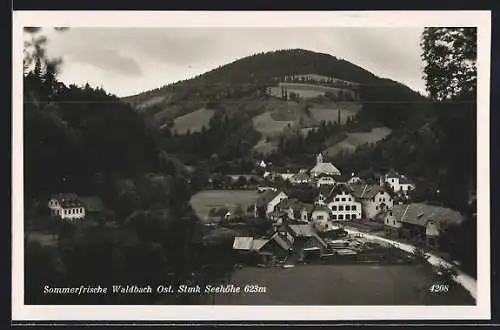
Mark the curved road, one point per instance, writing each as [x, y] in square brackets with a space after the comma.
[466, 281]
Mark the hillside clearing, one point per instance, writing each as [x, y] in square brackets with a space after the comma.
[193, 121]
[354, 140]
[205, 200]
[268, 126]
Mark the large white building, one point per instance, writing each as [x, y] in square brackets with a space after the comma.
[343, 205]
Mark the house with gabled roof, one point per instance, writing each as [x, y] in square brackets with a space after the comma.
[300, 178]
[399, 183]
[68, 206]
[420, 222]
[374, 199]
[268, 201]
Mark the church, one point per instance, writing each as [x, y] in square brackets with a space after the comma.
[323, 168]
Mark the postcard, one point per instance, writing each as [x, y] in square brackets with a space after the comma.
[204, 166]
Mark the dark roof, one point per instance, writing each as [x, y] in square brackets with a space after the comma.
[321, 208]
[66, 204]
[92, 203]
[300, 177]
[297, 207]
[365, 191]
[392, 175]
[308, 207]
[286, 203]
[337, 190]
[341, 178]
[64, 197]
[404, 180]
[419, 214]
[325, 189]
[267, 196]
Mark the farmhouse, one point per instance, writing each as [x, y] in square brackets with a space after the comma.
[300, 178]
[268, 201]
[306, 240]
[69, 206]
[354, 180]
[398, 183]
[343, 205]
[374, 199]
[420, 222]
[323, 168]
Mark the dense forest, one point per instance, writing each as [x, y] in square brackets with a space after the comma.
[83, 140]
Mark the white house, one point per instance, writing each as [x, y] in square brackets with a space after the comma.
[374, 199]
[66, 206]
[322, 167]
[398, 183]
[325, 180]
[354, 180]
[343, 205]
[269, 200]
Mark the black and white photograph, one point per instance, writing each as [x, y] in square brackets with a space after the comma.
[292, 164]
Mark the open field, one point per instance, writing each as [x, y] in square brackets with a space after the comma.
[203, 201]
[354, 140]
[193, 121]
[267, 126]
[342, 285]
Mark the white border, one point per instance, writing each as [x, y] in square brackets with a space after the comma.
[480, 19]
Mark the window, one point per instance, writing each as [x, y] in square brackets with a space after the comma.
[334, 207]
[341, 208]
[353, 207]
[353, 216]
[334, 217]
[347, 207]
[343, 199]
[341, 217]
[320, 217]
[337, 199]
[376, 208]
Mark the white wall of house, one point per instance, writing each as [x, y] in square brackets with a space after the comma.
[390, 221]
[373, 206]
[397, 186]
[345, 207]
[320, 215]
[304, 215]
[431, 229]
[325, 180]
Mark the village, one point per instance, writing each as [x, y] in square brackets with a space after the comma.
[326, 228]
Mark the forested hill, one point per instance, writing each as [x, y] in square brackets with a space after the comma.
[81, 139]
[261, 69]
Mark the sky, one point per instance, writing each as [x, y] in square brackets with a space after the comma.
[127, 61]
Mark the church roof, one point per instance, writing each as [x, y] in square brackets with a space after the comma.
[326, 168]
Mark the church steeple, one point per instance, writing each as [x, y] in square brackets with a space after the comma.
[319, 158]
